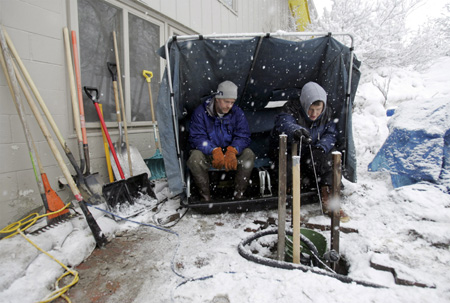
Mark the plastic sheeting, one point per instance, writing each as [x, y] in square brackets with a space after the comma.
[418, 146]
[264, 69]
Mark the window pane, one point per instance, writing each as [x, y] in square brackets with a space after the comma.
[229, 3]
[144, 42]
[97, 21]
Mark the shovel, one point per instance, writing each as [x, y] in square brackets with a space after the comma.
[156, 162]
[112, 68]
[124, 190]
[91, 180]
[129, 158]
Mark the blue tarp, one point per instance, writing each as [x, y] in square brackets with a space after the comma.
[418, 146]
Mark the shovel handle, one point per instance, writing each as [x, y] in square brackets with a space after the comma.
[148, 75]
[92, 93]
[94, 97]
[112, 67]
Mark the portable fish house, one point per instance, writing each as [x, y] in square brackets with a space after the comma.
[267, 68]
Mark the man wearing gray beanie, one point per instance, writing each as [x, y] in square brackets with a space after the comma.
[219, 136]
[308, 120]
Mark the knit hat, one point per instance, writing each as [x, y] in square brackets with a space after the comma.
[312, 92]
[227, 90]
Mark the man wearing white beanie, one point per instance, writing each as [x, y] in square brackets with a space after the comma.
[308, 120]
[219, 136]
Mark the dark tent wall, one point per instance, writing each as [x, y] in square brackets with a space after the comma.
[265, 69]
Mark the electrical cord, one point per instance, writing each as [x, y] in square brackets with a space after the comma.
[172, 262]
[158, 210]
[18, 228]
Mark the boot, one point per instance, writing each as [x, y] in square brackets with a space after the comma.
[325, 193]
[202, 183]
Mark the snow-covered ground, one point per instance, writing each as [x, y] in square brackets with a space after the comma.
[405, 228]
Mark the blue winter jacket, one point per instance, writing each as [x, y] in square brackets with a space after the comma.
[323, 130]
[208, 131]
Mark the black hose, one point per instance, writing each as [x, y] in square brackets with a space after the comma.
[247, 254]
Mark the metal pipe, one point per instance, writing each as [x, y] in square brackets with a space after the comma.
[347, 102]
[172, 105]
[246, 35]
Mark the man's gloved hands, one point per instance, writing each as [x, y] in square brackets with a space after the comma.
[218, 158]
[230, 158]
[301, 132]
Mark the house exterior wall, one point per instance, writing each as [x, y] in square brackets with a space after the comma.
[36, 30]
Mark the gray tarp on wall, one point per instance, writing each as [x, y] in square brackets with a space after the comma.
[281, 68]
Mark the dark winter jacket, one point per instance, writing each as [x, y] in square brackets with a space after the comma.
[323, 130]
[208, 131]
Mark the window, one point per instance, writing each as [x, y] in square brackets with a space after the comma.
[138, 38]
[230, 3]
[144, 42]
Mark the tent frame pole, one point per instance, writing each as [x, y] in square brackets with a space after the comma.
[243, 36]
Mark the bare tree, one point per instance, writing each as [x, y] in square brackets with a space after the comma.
[383, 84]
[430, 41]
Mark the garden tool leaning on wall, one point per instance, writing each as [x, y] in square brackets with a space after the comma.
[129, 157]
[124, 190]
[91, 180]
[96, 231]
[95, 197]
[52, 202]
[156, 162]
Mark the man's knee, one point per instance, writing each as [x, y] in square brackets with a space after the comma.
[247, 159]
[197, 160]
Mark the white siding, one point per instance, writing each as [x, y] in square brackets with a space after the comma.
[213, 16]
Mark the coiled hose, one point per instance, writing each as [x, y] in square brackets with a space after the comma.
[247, 254]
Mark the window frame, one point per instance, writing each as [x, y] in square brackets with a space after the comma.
[125, 9]
[233, 6]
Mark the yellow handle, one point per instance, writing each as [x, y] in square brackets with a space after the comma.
[106, 147]
[148, 75]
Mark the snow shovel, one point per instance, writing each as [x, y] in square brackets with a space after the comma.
[90, 179]
[156, 162]
[52, 202]
[124, 190]
[129, 158]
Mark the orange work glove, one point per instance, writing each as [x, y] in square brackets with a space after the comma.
[218, 158]
[230, 158]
